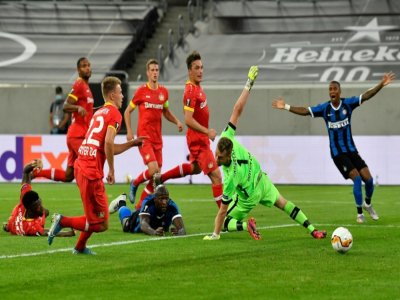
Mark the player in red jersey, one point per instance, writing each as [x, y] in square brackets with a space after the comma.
[198, 135]
[97, 147]
[151, 99]
[80, 103]
[29, 216]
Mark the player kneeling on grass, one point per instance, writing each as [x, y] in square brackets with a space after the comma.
[29, 216]
[157, 213]
[244, 179]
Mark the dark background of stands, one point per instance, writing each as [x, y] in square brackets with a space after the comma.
[109, 33]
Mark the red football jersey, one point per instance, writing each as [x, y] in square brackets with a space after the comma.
[91, 155]
[195, 100]
[83, 97]
[151, 104]
[19, 225]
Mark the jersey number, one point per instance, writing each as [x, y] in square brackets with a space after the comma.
[93, 130]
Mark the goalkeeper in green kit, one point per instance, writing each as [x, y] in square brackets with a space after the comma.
[245, 185]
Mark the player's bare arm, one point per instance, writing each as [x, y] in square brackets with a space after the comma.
[127, 118]
[244, 96]
[120, 148]
[386, 79]
[36, 164]
[68, 233]
[179, 228]
[109, 151]
[193, 124]
[70, 106]
[146, 228]
[279, 103]
[172, 118]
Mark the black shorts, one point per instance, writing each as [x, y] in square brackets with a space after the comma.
[346, 162]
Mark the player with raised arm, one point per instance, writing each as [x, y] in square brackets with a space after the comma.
[80, 103]
[151, 99]
[97, 147]
[245, 185]
[199, 134]
[337, 115]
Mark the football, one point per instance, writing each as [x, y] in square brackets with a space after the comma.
[342, 240]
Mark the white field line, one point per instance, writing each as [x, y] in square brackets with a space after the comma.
[112, 244]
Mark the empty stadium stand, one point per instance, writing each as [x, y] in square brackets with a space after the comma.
[295, 41]
[42, 40]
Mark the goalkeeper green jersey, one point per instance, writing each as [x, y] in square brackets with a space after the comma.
[244, 172]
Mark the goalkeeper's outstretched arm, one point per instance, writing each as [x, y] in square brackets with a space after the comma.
[242, 100]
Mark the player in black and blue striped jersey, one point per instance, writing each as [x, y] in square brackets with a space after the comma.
[337, 115]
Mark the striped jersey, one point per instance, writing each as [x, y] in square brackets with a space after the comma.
[338, 123]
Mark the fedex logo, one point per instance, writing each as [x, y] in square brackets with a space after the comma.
[16, 151]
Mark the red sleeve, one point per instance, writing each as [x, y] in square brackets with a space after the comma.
[189, 99]
[138, 97]
[115, 119]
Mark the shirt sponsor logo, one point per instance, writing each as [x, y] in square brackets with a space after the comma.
[161, 97]
[339, 124]
[153, 105]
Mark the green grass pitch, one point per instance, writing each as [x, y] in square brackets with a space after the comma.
[286, 264]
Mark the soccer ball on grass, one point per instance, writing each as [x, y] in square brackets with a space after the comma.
[342, 240]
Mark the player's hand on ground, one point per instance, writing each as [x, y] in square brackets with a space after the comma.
[388, 78]
[159, 231]
[278, 103]
[212, 134]
[212, 237]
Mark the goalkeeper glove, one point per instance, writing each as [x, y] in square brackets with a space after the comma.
[211, 237]
[253, 72]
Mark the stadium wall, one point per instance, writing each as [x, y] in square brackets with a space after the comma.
[286, 159]
[26, 109]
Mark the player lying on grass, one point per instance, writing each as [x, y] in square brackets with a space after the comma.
[28, 217]
[157, 214]
[245, 185]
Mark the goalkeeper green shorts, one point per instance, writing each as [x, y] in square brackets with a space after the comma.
[265, 193]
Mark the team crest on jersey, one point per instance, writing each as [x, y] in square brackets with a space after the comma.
[203, 104]
[344, 111]
[161, 97]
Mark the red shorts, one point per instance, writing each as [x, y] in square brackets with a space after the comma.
[94, 198]
[204, 157]
[73, 147]
[151, 152]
